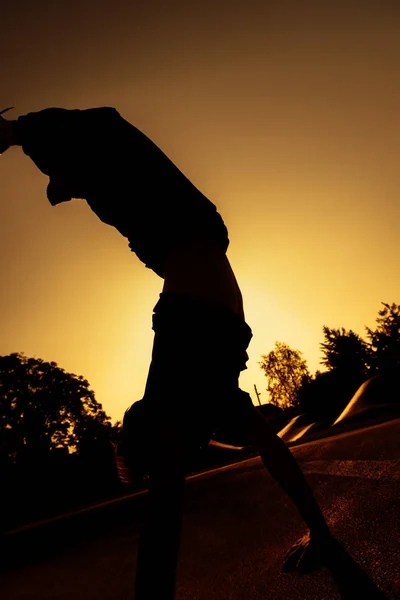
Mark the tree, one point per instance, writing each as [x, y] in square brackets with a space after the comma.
[44, 409]
[286, 372]
[325, 395]
[345, 352]
[385, 340]
[347, 357]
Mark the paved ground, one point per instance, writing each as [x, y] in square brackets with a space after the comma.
[237, 527]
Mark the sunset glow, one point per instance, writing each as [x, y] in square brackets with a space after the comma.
[287, 118]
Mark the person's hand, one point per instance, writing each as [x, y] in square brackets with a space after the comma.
[310, 553]
[6, 132]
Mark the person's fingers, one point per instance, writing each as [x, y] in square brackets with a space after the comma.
[291, 560]
[314, 558]
[291, 551]
[306, 556]
[309, 562]
[298, 544]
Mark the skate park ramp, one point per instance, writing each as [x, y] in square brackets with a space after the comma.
[377, 398]
[296, 429]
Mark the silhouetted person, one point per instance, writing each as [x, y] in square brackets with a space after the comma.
[201, 335]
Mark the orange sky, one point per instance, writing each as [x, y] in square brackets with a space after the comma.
[285, 114]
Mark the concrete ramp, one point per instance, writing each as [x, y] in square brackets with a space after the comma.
[378, 395]
[296, 429]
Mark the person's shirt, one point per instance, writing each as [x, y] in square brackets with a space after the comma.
[96, 155]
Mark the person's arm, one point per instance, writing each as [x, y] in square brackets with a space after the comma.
[286, 471]
[314, 548]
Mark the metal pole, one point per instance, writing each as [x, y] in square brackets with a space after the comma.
[257, 394]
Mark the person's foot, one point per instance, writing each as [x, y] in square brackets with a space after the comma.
[6, 131]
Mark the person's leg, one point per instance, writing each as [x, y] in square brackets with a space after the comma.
[281, 463]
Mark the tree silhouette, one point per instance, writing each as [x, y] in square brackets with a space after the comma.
[349, 361]
[324, 396]
[44, 409]
[345, 352]
[348, 358]
[286, 372]
[385, 340]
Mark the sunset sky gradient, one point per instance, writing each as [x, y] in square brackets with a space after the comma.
[285, 114]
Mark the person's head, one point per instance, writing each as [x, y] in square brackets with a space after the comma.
[132, 449]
